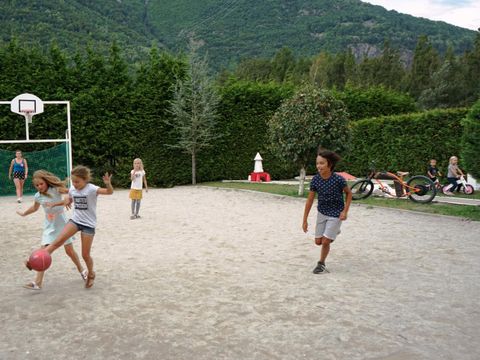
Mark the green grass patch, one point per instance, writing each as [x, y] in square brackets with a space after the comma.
[463, 211]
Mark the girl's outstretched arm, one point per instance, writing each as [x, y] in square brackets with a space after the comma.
[107, 179]
[30, 210]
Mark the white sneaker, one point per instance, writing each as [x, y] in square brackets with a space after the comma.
[19, 200]
[449, 193]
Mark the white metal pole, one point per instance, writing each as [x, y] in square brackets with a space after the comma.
[26, 130]
[69, 129]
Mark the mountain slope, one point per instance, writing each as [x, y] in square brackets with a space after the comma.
[231, 29]
[248, 28]
[73, 24]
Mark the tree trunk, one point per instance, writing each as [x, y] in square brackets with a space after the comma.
[301, 184]
[194, 169]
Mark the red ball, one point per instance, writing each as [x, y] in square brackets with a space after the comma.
[40, 260]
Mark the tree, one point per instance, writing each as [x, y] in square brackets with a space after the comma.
[472, 65]
[425, 63]
[390, 69]
[282, 64]
[448, 86]
[311, 118]
[254, 70]
[319, 70]
[471, 141]
[194, 108]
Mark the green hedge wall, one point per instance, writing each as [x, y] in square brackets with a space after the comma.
[471, 140]
[244, 110]
[375, 101]
[405, 142]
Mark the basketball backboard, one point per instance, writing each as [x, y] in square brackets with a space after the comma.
[26, 103]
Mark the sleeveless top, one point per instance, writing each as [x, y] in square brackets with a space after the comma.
[18, 167]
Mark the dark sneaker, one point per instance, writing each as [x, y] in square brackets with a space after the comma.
[320, 269]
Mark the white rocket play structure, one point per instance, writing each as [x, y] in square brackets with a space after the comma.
[258, 175]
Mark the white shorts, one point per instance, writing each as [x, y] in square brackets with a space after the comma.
[327, 226]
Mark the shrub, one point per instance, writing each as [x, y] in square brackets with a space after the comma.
[405, 142]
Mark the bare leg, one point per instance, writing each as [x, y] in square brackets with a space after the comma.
[68, 231]
[87, 241]
[74, 256]
[17, 188]
[22, 182]
[39, 278]
[325, 249]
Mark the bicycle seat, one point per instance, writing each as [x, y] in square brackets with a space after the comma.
[402, 173]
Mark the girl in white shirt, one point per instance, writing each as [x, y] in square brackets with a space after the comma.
[138, 177]
[83, 195]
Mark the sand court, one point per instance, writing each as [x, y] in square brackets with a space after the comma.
[223, 274]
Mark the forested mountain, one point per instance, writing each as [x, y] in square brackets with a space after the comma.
[231, 29]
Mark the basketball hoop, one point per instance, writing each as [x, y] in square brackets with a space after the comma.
[28, 115]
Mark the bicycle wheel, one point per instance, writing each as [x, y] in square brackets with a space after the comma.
[468, 189]
[361, 189]
[421, 189]
[445, 187]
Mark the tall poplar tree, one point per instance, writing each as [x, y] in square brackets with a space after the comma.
[194, 108]
[425, 63]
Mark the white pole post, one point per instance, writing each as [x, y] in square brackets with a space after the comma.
[27, 135]
[69, 129]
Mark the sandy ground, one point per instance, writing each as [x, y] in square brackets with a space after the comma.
[223, 274]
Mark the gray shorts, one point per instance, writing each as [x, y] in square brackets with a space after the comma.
[327, 226]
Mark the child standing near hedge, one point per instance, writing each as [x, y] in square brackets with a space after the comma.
[138, 177]
[332, 210]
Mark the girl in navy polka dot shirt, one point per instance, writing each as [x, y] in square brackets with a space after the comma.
[332, 210]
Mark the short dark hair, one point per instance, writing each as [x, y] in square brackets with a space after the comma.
[332, 157]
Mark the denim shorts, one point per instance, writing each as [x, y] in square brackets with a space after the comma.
[82, 228]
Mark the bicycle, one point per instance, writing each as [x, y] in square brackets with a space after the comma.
[418, 188]
[466, 188]
[438, 185]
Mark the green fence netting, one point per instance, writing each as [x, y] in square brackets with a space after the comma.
[54, 159]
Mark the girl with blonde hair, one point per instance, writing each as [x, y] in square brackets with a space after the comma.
[83, 195]
[138, 177]
[50, 189]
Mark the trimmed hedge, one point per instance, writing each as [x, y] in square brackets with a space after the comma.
[405, 142]
[471, 141]
[375, 101]
[244, 109]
